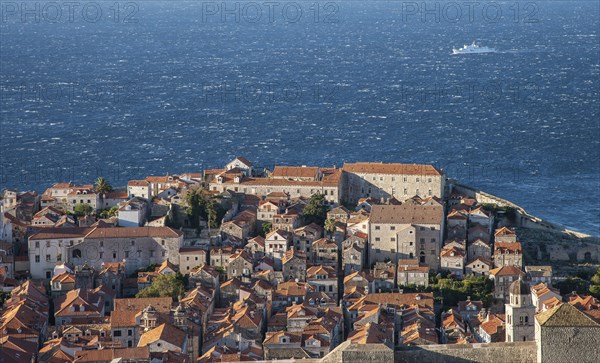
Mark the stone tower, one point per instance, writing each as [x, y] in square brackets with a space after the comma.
[520, 313]
[149, 318]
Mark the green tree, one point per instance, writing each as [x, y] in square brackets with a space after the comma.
[107, 213]
[102, 185]
[164, 285]
[83, 209]
[573, 284]
[595, 291]
[315, 210]
[330, 226]
[201, 204]
[596, 278]
[266, 228]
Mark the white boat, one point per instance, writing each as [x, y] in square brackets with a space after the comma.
[473, 49]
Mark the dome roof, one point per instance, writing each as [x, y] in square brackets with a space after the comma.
[519, 287]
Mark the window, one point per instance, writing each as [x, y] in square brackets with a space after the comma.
[392, 228]
[151, 253]
[422, 240]
[37, 244]
[377, 239]
[377, 228]
[129, 332]
[76, 253]
[410, 243]
[117, 333]
[101, 243]
[126, 254]
[37, 258]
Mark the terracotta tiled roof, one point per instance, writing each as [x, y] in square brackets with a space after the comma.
[512, 247]
[161, 304]
[291, 253]
[132, 232]
[380, 168]
[492, 324]
[164, 332]
[107, 355]
[506, 271]
[295, 171]
[453, 252]
[504, 231]
[64, 278]
[321, 270]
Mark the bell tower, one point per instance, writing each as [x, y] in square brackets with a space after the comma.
[520, 313]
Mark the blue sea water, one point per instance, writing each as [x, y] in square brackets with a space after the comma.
[129, 89]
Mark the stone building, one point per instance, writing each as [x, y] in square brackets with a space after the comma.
[276, 244]
[479, 248]
[565, 334]
[294, 265]
[508, 254]
[139, 247]
[386, 181]
[406, 231]
[324, 252]
[520, 312]
[323, 279]
[411, 272]
[190, 257]
[305, 236]
[478, 266]
[453, 259]
[353, 258]
[505, 234]
[240, 266]
[328, 182]
[503, 277]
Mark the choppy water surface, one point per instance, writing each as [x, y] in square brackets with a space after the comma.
[154, 87]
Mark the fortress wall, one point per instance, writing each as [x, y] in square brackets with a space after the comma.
[524, 352]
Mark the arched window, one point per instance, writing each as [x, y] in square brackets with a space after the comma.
[521, 320]
[526, 319]
[516, 299]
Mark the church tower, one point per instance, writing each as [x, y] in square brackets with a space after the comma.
[520, 313]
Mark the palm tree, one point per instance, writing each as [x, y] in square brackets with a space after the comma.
[102, 186]
[330, 226]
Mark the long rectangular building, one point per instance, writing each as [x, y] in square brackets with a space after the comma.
[293, 181]
[138, 247]
[384, 181]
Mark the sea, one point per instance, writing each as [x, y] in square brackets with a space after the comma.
[126, 89]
